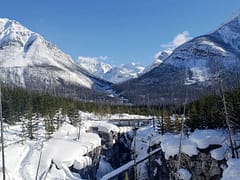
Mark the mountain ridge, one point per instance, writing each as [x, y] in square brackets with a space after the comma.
[194, 65]
[29, 61]
[108, 72]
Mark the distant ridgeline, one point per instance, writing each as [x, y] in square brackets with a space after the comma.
[206, 112]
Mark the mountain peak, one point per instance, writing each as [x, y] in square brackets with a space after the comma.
[30, 61]
[195, 65]
[96, 66]
[13, 33]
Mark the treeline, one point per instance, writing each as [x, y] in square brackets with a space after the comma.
[17, 102]
[208, 112]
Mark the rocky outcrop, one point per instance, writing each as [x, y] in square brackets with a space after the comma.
[158, 168]
[89, 172]
[119, 153]
[201, 166]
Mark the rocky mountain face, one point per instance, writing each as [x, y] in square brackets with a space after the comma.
[27, 60]
[114, 74]
[192, 70]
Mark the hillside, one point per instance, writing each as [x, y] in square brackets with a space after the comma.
[29, 61]
[194, 67]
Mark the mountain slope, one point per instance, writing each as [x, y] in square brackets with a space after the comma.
[192, 70]
[28, 60]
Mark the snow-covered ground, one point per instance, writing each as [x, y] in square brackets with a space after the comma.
[49, 158]
[23, 160]
[199, 139]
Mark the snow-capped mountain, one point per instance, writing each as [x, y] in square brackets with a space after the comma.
[29, 61]
[94, 65]
[123, 72]
[159, 58]
[195, 65]
[114, 74]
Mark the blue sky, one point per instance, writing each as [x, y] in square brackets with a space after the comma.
[120, 30]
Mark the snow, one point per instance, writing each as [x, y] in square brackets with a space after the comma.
[214, 46]
[232, 171]
[94, 65]
[104, 168]
[123, 72]
[184, 174]
[62, 150]
[198, 139]
[27, 54]
[14, 155]
[170, 145]
[65, 149]
[229, 32]
[204, 138]
[115, 74]
[159, 59]
[219, 153]
[103, 126]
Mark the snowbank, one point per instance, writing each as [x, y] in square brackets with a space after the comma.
[232, 171]
[204, 138]
[184, 174]
[66, 151]
[170, 145]
[219, 153]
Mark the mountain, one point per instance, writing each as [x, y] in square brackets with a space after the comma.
[94, 65]
[108, 72]
[27, 60]
[160, 57]
[192, 70]
[123, 72]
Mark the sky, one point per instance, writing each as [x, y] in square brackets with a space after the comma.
[119, 31]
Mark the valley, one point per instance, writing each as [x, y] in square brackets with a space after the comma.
[176, 118]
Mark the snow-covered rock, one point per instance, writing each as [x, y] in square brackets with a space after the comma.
[159, 59]
[104, 168]
[232, 171]
[184, 174]
[204, 138]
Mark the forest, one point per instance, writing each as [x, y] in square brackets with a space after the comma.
[206, 112]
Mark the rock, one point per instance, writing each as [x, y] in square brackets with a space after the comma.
[201, 166]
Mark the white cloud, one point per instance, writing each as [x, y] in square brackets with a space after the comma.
[177, 40]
